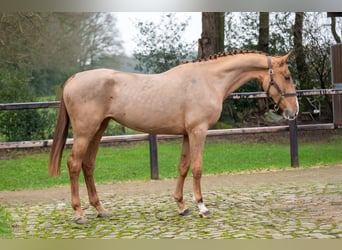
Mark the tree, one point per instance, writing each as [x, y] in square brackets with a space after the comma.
[307, 35]
[241, 30]
[317, 54]
[281, 32]
[301, 65]
[98, 37]
[333, 30]
[17, 31]
[48, 47]
[71, 42]
[264, 32]
[159, 44]
[38, 51]
[263, 44]
[333, 16]
[212, 38]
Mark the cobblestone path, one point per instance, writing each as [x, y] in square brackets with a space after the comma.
[311, 209]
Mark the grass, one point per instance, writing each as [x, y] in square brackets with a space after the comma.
[5, 220]
[131, 162]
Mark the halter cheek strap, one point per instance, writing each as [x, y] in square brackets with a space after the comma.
[275, 84]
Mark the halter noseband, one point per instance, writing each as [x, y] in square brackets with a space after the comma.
[275, 84]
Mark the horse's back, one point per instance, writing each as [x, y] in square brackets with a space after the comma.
[151, 103]
[87, 82]
[147, 103]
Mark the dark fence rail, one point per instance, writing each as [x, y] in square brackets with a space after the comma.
[29, 105]
[292, 128]
[308, 92]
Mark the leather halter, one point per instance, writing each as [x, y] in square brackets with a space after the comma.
[275, 84]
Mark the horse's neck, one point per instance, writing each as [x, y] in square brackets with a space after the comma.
[229, 75]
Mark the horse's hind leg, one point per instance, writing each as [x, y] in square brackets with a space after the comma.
[183, 169]
[88, 167]
[74, 164]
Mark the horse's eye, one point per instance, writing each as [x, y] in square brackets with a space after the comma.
[287, 78]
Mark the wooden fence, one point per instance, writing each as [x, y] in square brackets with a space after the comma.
[292, 128]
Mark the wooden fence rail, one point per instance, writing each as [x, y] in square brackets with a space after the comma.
[145, 137]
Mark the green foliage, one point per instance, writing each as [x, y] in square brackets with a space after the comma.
[222, 125]
[159, 45]
[241, 32]
[5, 221]
[14, 86]
[44, 80]
[23, 124]
[38, 52]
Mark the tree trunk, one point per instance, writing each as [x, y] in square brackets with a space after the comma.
[212, 38]
[263, 43]
[333, 30]
[302, 68]
[264, 36]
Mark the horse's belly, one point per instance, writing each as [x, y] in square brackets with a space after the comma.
[152, 123]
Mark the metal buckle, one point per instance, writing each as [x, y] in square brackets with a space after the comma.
[276, 108]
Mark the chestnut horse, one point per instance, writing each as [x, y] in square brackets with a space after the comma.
[185, 100]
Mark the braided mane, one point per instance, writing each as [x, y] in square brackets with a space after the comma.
[224, 54]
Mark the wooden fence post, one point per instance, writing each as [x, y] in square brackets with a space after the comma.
[294, 144]
[153, 156]
[336, 77]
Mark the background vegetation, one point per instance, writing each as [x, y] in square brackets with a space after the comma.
[39, 51]
[5, 221]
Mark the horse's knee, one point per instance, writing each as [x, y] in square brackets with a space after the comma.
[197, 173]
[70, 163]
[73, 166]
[184, 165]
[183, 171]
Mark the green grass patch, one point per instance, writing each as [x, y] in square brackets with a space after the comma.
[5, 221]
[131, 162]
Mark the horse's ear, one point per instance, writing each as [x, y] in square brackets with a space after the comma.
[287, 56]
[283, 59]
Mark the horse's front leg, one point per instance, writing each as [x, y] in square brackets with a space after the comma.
[183, 169]
[197, 140]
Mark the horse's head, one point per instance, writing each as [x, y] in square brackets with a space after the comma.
[279, 85]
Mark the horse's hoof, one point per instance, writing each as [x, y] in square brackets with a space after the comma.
[185, 212]
[81, 220]
[205, 214]
[104, 214]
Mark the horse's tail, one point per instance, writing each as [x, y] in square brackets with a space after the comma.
[59, 139]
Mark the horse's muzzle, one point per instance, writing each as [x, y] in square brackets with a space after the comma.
[290, 114]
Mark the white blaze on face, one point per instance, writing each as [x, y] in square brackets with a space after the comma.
[297, 107]
[291, 114]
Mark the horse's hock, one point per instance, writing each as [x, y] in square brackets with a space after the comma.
[336, 75]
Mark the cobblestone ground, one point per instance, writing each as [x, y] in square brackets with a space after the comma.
[311, 210]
